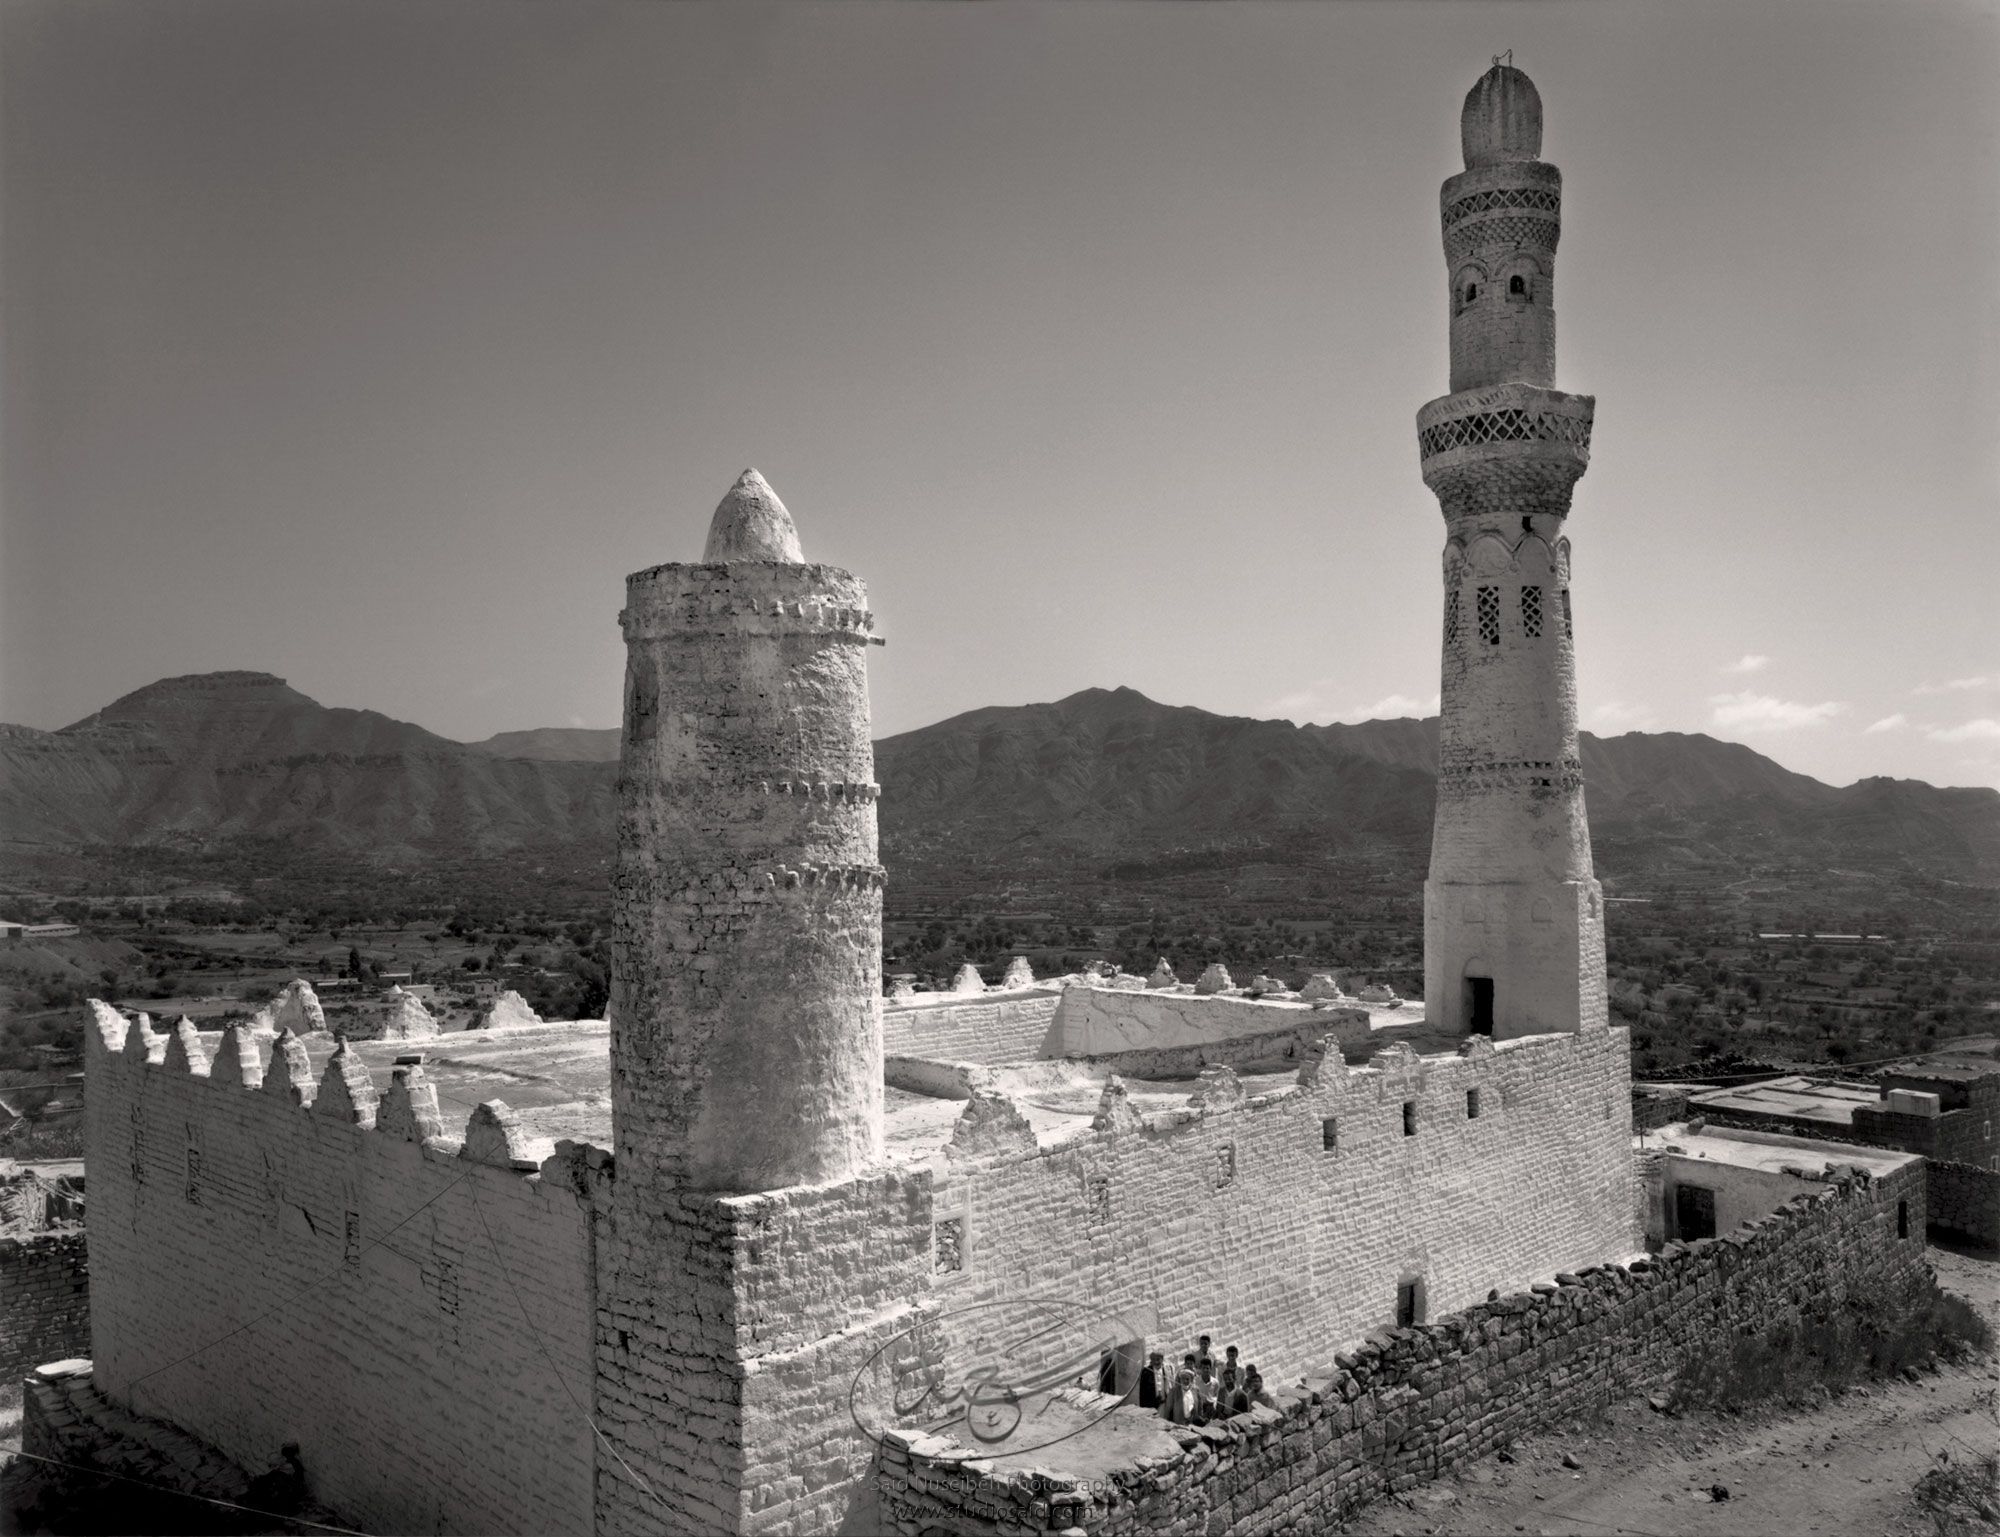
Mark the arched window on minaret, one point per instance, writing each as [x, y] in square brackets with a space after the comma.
[1471, 292]
[1518, 286]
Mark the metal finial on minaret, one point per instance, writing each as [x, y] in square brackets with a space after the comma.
[1513, 917]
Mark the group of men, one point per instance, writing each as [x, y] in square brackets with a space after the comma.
[1201, 1389]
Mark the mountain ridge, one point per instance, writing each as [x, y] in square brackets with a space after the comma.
[1102, 772]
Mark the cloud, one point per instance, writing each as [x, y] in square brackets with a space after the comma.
[1746, 711]
[1315, 705]
[1955, 685]
[1984, 730]
[1888, 723]
[1616, 715]
[1751, 663]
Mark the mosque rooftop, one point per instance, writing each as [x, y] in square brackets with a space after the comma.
[556, 1078]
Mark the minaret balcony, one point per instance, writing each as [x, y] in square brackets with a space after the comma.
[1507, 422]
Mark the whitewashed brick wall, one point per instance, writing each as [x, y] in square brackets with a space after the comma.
[1301, 1250]
[405, 1368]
[995, 1027]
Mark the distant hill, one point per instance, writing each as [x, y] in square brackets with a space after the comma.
[240, 754]
[1110, 770]
[1102, 775]
[556, 744]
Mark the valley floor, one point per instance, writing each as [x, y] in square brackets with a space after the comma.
[1844, 1469]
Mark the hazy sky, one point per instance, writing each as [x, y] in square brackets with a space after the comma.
[373, 345]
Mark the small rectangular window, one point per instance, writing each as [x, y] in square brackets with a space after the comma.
[1489, 615]
[1902, 1219]
[1329, 1134]
[1531, 612]
[1694, 1212]
[1409, 1118]
[948, 1245]
[1472, 1104]
[1409, 1303]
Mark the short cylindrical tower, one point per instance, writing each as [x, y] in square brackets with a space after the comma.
[746, 1034]
[1513, 918]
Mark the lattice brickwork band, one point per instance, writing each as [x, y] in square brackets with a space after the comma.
[1542, 199]
[1513, 425]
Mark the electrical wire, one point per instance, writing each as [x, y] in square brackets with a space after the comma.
[535, 1334]
[309, 1286]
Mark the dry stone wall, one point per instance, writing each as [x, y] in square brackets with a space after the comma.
[274, 1260]
[1964, 1200]
[44, 1298]
[1417, 1402]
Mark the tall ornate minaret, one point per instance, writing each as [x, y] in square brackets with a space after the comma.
[746, 1027]
[1513, 919]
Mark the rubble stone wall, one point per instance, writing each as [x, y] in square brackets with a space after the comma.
[44, 1299]
[270, 1265]
[1964, 1200]
[1424, 1400]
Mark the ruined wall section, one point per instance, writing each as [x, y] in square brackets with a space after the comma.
[44, 1299]
[1318, 1196]
[1435, 1397]
[276, 1260]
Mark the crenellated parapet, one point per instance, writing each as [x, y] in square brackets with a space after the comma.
[274, 1230]
[280, 1069]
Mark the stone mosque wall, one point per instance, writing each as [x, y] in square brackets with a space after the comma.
[1421, 1401]
[1287, 1220]
[989, 1028]
[282, 1261]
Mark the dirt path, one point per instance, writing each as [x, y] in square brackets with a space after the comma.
[1845, 1469]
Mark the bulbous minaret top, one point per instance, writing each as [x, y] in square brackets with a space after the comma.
[1502, 119]
[751, 523]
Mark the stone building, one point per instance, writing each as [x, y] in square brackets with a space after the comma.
[720, 1262]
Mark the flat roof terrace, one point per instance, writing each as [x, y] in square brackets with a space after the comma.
[1796, 1098]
